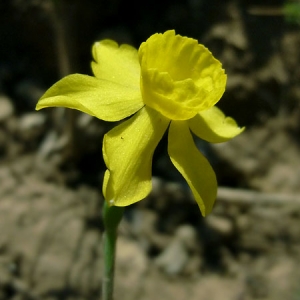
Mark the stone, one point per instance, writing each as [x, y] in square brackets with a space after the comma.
[6, 108]
[31, 125]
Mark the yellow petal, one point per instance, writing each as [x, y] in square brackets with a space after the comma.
[213, 126]
[116, 64]
[192, 165]
[179, 77]
[103, 99]
[128, 149]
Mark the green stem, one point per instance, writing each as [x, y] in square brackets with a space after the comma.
[112, 216]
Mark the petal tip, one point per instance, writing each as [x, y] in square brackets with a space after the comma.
[39, 106]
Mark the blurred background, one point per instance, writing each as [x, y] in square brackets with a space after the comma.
[51, 165]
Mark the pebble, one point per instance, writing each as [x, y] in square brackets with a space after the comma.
[6, 108]
[220, 224]
[188, 236]
[31, 125]
[175, 257]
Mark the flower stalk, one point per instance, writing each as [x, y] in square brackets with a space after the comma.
[112, 216]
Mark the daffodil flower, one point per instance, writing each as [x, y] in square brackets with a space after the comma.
[170, 84]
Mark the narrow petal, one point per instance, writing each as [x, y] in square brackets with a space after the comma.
[128, 151]
[100, 98]
[192, 165]
[213, 126]
[117, 64]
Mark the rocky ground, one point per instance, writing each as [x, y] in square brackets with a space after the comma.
[51, 169]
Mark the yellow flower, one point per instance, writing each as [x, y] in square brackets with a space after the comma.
[171, 83]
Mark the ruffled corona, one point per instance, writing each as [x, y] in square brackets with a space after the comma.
[179, 77]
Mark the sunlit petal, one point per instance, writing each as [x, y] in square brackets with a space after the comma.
[193, 166]
[100, 98]
[213, 126]
[115, 63]
[128, 151]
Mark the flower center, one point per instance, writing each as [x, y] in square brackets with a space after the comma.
[179, 77]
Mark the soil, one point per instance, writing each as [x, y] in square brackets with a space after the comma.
[51, 165]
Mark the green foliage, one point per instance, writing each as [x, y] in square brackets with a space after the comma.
[292, 11]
